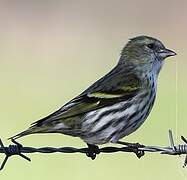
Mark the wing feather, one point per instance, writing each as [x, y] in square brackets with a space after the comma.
[99, 95]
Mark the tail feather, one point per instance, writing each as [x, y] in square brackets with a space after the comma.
[32, 130]
[41, 127]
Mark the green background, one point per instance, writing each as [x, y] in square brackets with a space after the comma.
[50, 51]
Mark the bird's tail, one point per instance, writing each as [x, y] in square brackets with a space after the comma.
[32, 130]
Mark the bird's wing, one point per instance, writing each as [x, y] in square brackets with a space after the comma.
[100, 94]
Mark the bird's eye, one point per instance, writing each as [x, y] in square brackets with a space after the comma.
[151, 46]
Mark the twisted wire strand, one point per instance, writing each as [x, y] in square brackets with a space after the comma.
[139, 150]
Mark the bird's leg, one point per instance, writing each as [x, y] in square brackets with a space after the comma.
[137, 145]
[134, 147]
[93, 150]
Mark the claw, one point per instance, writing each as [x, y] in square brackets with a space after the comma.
[92, 151]
[134, 148]
[139, 153]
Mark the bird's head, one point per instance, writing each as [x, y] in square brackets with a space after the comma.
[145, 53]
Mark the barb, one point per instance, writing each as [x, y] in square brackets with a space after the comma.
[138, 149]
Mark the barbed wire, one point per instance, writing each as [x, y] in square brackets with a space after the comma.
[139, 149]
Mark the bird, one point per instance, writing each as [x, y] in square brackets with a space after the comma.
[117, 104]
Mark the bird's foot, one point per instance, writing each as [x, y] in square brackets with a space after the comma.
[137, 145]
[93, 150]
[134, 147]
[139, 153]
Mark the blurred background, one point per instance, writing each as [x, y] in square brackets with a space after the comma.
[50, 51]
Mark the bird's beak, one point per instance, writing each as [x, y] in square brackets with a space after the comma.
[166, 53]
